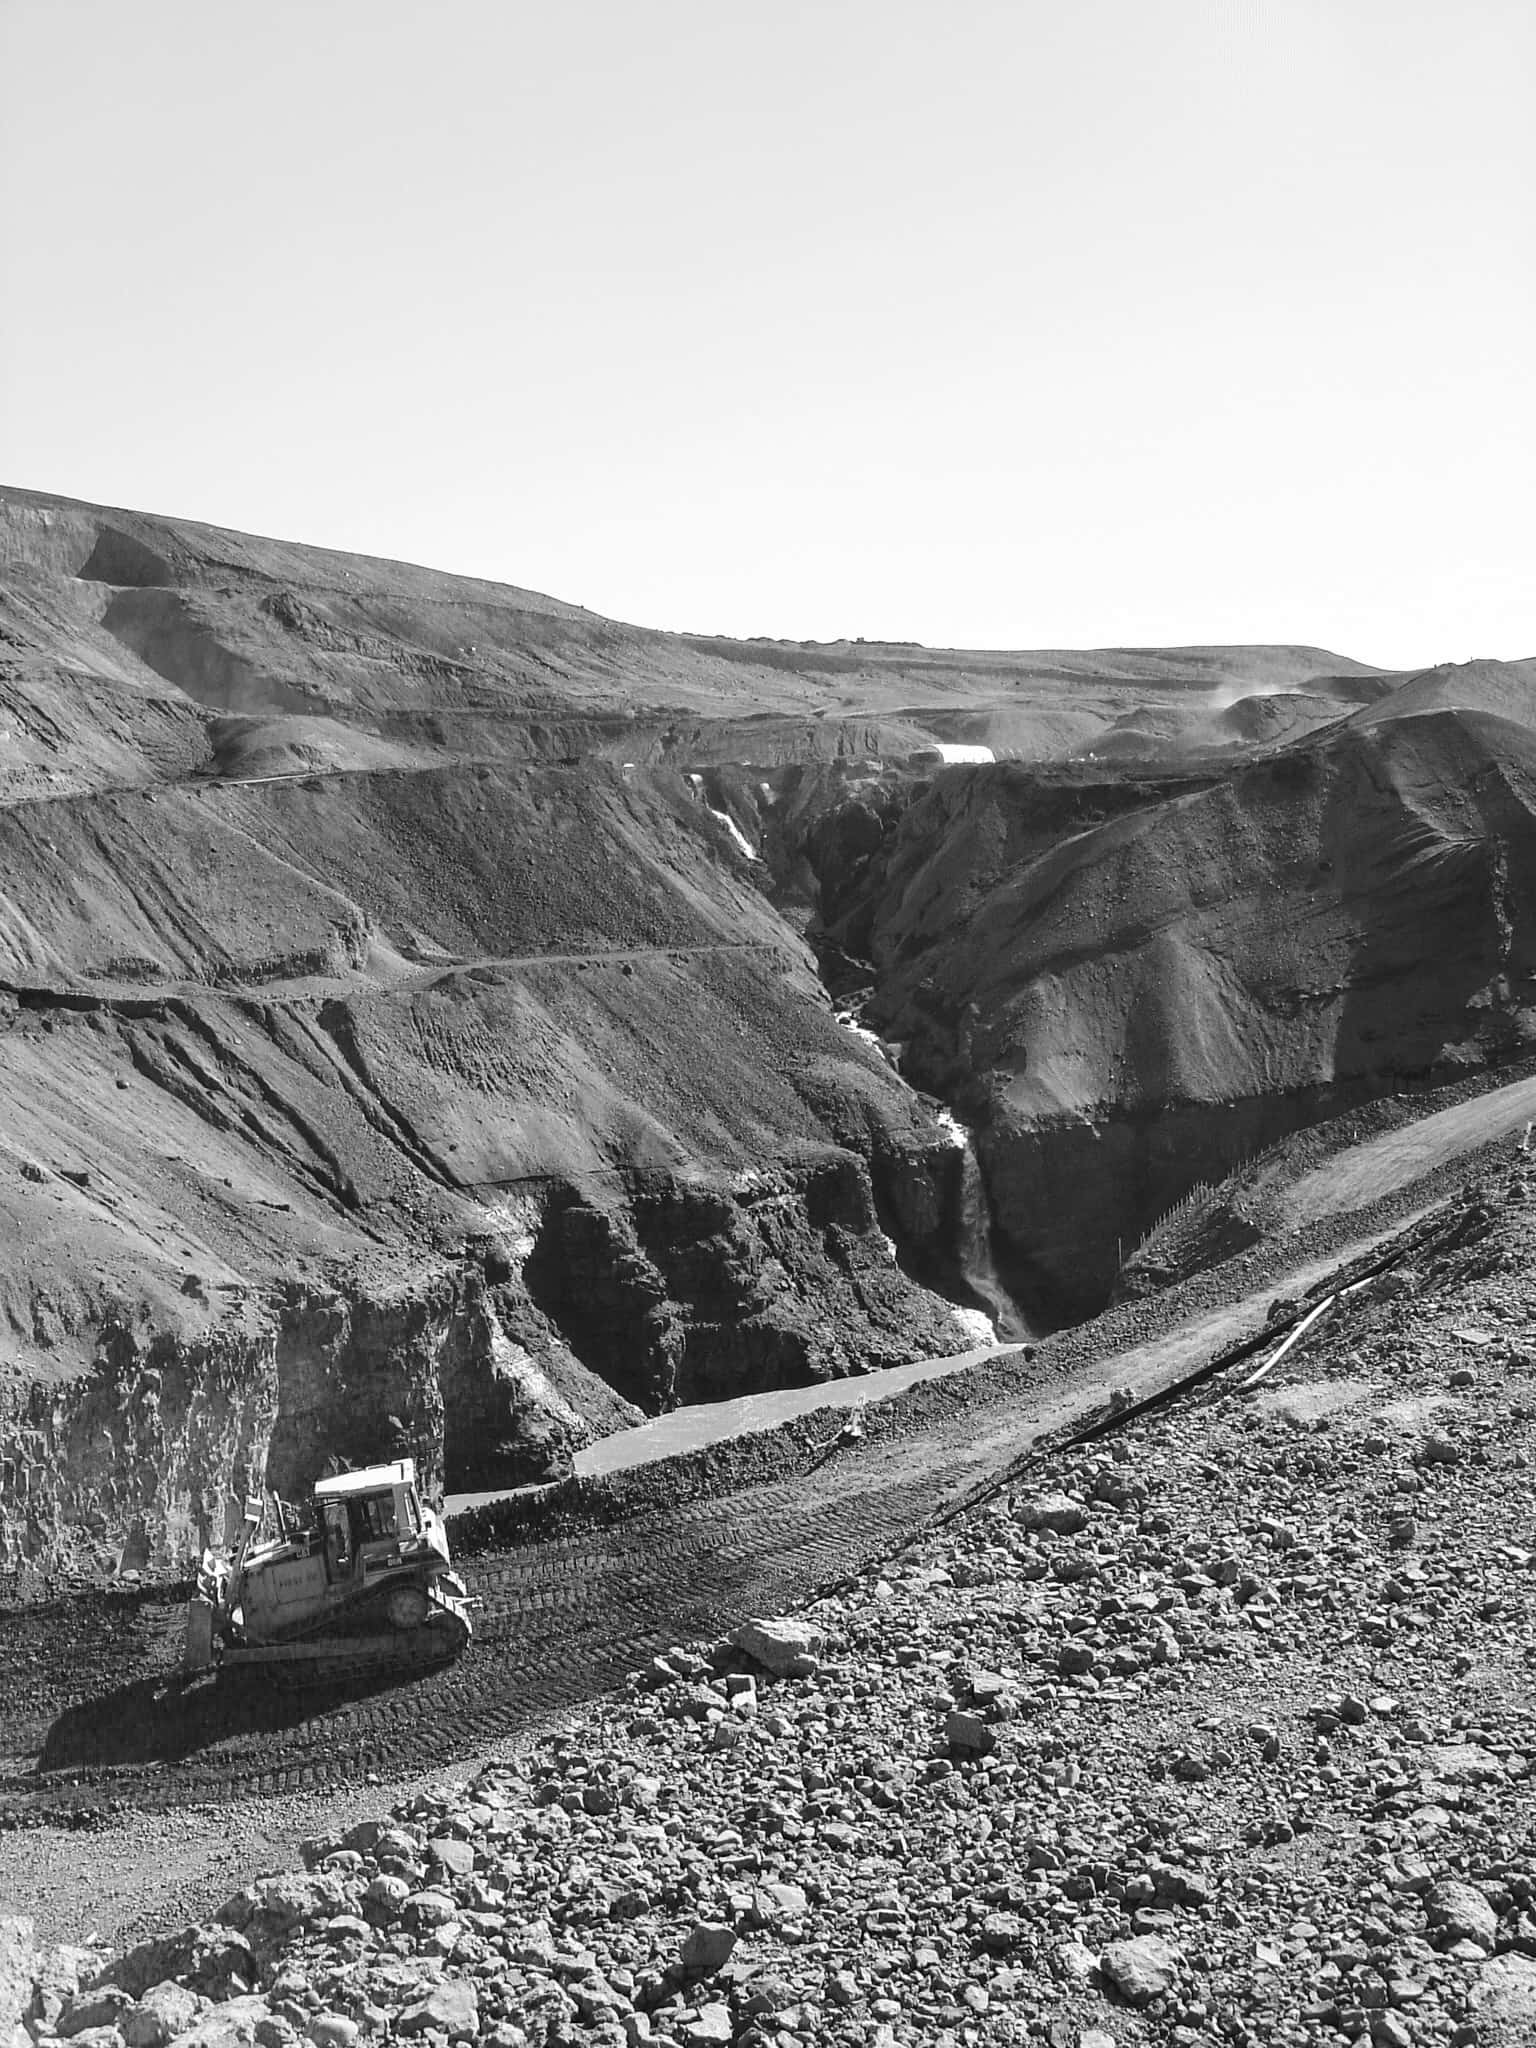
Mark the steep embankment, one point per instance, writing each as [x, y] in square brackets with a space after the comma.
[1137, 1004]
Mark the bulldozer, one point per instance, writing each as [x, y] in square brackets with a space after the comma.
[356, 1582]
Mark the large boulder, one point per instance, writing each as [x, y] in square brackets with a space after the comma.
[162, 2015]
[1459, 1912]
[707, 1947]
[235, 2023]
[450, 2008]
[784, 1647]
[1058, 1512]
[92, 2010]
[1141, 1969]
[1504, 2000]
[272, 1908]
[60, 1974]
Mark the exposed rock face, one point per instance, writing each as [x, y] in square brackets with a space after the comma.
[430, 1365]
[489, 1370]
[138, 1461]
[694, 1293]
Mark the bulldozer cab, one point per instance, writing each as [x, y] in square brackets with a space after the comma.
[368, 1518]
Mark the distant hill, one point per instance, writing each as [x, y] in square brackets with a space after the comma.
[1504, 689]
[281, 658]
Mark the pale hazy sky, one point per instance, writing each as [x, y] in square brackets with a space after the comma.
[1080, 323]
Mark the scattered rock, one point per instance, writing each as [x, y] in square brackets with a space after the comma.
[1463, 1763]
[968, 1735]
[453, 1855]
[333, 2030]
[1054, 1511]
[786, 1648]
[1002, 1933]
[1436, 1448]
[707, 1947]
[1459, 1912]
[713, 2024]
[451, 2009]
[1140, 1969]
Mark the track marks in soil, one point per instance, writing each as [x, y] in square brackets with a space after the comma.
[566, 1617]
[559, 1622]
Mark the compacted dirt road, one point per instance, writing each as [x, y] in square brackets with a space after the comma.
[1366, 1172]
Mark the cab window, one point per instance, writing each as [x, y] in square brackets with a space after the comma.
[338, 1540]
[375, 1514]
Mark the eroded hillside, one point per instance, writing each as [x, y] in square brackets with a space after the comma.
[454, 1092]
[282, 1062]
[408, 1039]
[1131, 986]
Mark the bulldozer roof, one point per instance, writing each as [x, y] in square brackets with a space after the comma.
[371, 1479]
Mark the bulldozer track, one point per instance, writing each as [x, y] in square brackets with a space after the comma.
[557, 1622]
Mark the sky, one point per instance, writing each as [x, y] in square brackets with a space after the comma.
[1117, 322]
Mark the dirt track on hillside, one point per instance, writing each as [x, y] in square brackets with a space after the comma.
[579, 1591]
[559, 1620]
[91, 1721]
[1367, 1172]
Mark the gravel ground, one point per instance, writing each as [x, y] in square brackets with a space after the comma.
[1221, 1730]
